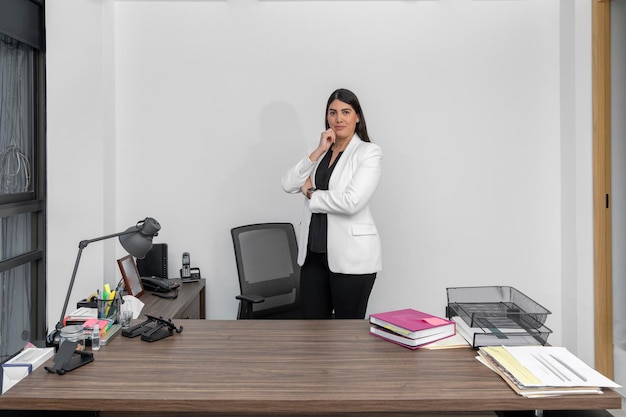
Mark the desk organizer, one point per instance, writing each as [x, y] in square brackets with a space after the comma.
[497, 315]
[108, 309]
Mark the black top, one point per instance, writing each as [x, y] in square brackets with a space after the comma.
[318, 228]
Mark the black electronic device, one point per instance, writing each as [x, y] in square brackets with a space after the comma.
[158, 284]
[185, 272]
[154, 264]
[69, 358]
[194, 275]
[152, 329]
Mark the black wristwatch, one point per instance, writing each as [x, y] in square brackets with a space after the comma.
[310, 191]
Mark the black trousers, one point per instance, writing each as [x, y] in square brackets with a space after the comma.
[324, 292]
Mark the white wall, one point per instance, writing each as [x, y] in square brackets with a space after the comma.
[76, 145]
[576, 178]
[190, 111]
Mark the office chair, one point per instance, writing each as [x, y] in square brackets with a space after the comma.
[269, 275]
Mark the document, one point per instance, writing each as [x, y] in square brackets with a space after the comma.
[545, 366]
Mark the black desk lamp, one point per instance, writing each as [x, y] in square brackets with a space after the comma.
[136, 240]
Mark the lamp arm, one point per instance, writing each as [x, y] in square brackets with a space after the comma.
[82, 245]
[69, 290]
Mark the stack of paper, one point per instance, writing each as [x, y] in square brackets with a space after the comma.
[540, 371]
[452, 342]
[506, 333]
[410, 328]
[80, 315]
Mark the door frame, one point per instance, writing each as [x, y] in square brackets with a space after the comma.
[601, 154]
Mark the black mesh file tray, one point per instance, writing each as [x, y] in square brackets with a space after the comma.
[497, 315]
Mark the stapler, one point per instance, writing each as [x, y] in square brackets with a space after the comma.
[152, 329]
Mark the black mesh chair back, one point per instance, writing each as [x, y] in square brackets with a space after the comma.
[269, 275]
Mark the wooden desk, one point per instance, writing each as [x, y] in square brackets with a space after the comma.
[280, 368]
[190, 303]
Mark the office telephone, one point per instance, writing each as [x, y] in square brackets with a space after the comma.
[157, 284]
[187, 273]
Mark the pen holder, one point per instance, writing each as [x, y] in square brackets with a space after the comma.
[108, 309]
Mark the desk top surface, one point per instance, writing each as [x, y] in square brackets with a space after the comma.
[279, 367]
[168, 308]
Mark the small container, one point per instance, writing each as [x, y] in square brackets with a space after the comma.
[73, 333]
[95, 337]
[108, 309]
[126, 314]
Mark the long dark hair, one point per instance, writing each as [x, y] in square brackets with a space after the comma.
[350, 98]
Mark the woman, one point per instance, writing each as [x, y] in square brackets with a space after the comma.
[338, 247]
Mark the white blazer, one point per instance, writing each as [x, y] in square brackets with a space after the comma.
[353, 242]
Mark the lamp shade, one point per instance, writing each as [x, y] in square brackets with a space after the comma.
[137, 240]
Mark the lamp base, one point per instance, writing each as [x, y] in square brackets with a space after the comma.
[52, 340]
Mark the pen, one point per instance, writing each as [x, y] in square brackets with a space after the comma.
[110, 297]
[112, 305]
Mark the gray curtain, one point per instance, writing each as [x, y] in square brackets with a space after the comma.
[16, 146]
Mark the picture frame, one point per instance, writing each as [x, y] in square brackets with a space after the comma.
[130, 274]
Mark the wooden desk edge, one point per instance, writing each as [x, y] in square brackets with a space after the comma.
[231, 338]
[609, 400]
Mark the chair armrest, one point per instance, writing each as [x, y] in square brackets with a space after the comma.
[250, 298]
[245, 310]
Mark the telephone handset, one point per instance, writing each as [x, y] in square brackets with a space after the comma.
[157, 284]
[186, 271]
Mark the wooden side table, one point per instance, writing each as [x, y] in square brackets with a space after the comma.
[190, 303]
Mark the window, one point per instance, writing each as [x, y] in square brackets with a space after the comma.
[22, 175]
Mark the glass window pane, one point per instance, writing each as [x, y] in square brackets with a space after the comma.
[16, 305]
[16, 116]
[15, 234]
[22, 181]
